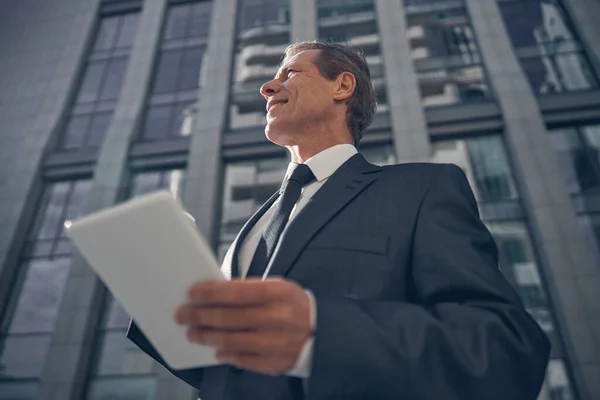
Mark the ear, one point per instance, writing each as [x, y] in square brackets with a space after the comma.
[345, 85]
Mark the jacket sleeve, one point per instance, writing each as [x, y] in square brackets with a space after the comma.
[465, 336]
[192, 376]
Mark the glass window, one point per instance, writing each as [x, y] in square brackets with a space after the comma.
[139, 388]
[577, 152]
[262, 13]
[18, 390]
[445, 53]
[98, 128]
[177, 20]
[484, 161]
[101, 82]
[200, 22]
[127, 30]
[379, 155]
[40, 295]
[107, 32]
[189, 76]
[76, 131]
[114, 78]
[22, 357]
[167, 71]
[120, 356]
[551, 54]
[158, 121]
[333, 8]
[92, 79]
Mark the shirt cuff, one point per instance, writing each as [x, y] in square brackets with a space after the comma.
[304, 362]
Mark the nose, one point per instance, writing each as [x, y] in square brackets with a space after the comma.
[270, 88]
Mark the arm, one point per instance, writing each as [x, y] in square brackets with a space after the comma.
[467, 336]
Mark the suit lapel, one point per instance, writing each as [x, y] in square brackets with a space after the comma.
[341, 187]
[230, 266]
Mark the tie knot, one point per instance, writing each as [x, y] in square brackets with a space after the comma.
[302, 174]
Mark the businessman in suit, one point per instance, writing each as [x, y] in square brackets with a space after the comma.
[355, 281]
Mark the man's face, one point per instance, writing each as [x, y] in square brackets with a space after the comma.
[298, 98]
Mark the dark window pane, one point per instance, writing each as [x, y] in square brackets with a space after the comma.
[558, 73]
[140, 388]
[106, 33]
[114, 79]
[52, 211]
[40, 296]
[76, 131]
[116, 317]
[200, 22]
[119, 356]
[127, 31]
[77, 201]
[90, 85]
[177, 21]
[167, 71]
[18, 390]
[98, 129]
[144, 183]
[536, 21]
[158, 122]
[23, 356]
[180, 111]
[189, 75]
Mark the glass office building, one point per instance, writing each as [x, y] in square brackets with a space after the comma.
[104, 100]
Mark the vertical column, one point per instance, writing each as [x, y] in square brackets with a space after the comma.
[67, 364]
[585, 14]
[411, 140]
[203, 181]
[572, 275]
[304, 20]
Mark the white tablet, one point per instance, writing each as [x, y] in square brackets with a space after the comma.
[148, 253]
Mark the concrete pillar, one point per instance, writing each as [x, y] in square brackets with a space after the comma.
[409, 126]
[304, 20]
[572, 277]
[203, 180]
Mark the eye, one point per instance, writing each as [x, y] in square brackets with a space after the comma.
[289, 71]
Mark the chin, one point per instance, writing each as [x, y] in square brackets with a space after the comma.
[277, 135]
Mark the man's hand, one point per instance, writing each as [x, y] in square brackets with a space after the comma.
[255, 325]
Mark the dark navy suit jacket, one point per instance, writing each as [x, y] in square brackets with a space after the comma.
[410, 301]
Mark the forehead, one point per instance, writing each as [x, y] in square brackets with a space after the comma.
[305, 58]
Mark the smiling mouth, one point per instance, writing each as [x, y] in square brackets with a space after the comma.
[276, 103]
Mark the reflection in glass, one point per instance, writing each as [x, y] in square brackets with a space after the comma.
[550, 53]
[577, 152]
[445, 53]
[247, 186]
[40, 296]
[139, 388]
[18, 390]
[484, 161]
[120, 356]
[22, 357]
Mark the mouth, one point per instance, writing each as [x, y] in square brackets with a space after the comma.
[272, 104]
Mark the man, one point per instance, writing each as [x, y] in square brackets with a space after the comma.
[355, 281]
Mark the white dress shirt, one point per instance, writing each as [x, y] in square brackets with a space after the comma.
[323, 165]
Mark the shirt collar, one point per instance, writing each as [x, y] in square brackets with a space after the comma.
[325, 163]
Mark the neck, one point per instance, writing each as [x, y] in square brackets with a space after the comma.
[302, 152]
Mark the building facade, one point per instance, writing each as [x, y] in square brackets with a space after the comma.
[103, 100]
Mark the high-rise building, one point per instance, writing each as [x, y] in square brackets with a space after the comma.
[102, 100]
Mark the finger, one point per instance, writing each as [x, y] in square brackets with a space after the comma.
[259, 342]
[252, 291]
[272, 365]
[218, 317]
